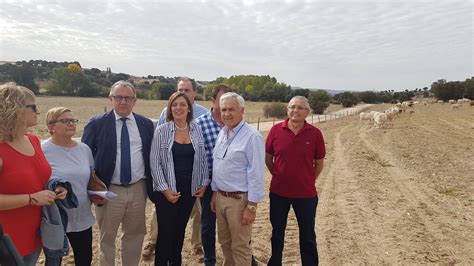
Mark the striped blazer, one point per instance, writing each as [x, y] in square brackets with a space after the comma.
[161, 158]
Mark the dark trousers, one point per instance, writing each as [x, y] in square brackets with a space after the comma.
[172, 220]
[208, 229]
[81, 243]
[305, 211]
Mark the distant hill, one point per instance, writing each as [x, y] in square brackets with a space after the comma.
[331, 92]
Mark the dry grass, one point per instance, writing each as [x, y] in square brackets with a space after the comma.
[85, 108]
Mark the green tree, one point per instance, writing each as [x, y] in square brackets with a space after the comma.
[319, 101]
[277, 110]
[469, 88]
[166, 89]
[297, 92]
[267, 93]
[368, 97]
[447, 90]
[347, 99]
[70, 82]
[25, 75]
[281, 92]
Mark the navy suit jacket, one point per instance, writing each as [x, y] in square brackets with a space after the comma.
[101, 136]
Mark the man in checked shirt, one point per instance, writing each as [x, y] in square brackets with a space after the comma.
[211, 124]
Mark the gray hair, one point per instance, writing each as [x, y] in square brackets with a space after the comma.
[123, 83]
[304, 99]
[234, 95]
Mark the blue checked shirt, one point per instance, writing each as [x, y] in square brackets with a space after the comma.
[210, 130]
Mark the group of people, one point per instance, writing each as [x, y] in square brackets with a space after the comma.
[192, 162]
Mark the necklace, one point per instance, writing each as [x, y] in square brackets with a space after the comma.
[181, 128]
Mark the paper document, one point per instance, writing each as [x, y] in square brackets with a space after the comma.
[103, 194]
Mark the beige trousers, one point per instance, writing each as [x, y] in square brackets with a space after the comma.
[196, 220]
[128, 209]
[233, 236]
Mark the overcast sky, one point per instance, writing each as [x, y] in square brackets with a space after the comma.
[354, 45]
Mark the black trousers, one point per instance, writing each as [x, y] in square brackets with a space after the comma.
[81, 243]
[305, 211]
[172, 220]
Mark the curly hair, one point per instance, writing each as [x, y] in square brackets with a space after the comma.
[13, 100]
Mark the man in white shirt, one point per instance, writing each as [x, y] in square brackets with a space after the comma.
[120, 142]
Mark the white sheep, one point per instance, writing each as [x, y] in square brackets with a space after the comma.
[379, 120]
[390, 114]
[365, 116]
[456, 106]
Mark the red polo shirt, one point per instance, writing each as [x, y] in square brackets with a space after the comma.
[293, 174]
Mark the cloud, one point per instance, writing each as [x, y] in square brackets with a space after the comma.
[326, 44]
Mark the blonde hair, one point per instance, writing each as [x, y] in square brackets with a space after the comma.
[53, 114]
[13, 100]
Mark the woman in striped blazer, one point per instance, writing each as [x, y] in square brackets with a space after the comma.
[180, 175]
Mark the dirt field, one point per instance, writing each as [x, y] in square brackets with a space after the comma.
[399, 195]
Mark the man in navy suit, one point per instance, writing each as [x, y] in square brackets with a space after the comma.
[120, 141]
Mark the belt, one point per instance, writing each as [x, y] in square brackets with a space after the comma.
[233, 194]
[129, 184]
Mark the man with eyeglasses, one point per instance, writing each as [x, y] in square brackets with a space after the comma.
[237, 180]
[295, 157]
[189, 87]
[120, 141]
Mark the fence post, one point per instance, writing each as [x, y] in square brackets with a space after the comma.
[105, 109]
[312, 122]
[258, 123]
[273, 121]
[319, 119]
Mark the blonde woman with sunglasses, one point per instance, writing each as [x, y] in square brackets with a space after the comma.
[72, 161]
[24, 172]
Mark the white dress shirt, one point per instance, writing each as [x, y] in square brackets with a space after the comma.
[136, 154]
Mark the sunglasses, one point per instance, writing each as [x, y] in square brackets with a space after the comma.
[66, 121]
[32, 107]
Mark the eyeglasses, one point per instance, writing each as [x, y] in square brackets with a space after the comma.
[66, 121]
[120, 98]
[32, 107]
[297, 107]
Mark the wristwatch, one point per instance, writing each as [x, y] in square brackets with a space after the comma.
[252, 208]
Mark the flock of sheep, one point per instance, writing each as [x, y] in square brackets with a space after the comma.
[458, 104]
[382, 119]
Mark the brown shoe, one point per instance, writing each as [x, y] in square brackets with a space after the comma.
[198, 251]
[148, 251]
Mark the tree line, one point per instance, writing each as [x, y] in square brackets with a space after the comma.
[70, 79]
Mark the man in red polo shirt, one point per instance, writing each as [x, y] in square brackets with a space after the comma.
[295, 156]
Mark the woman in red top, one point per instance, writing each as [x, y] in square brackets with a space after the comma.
[24, 172]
